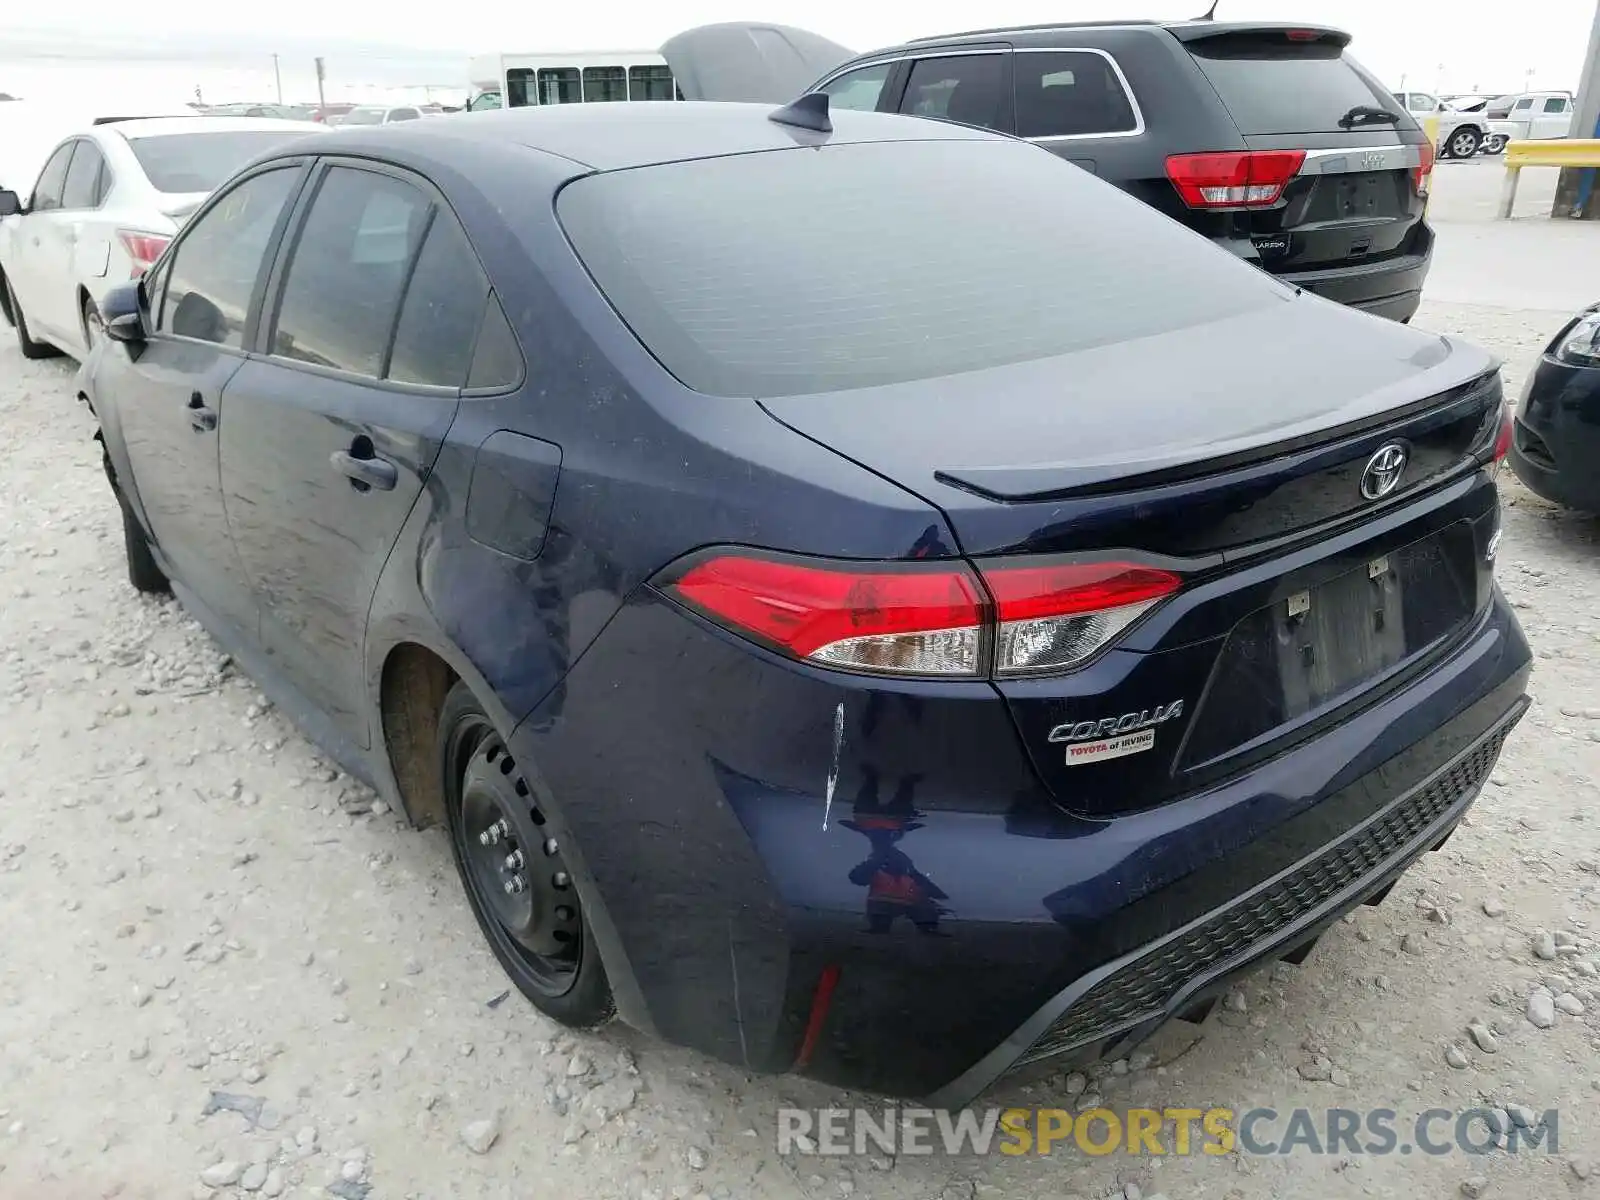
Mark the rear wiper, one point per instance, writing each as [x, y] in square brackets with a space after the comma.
[1362, 114]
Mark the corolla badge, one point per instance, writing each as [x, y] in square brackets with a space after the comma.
[1383, 470]
[1114, 737]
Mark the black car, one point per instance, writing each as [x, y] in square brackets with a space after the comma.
[849, 619]
[1269, 139]
[1555, 447]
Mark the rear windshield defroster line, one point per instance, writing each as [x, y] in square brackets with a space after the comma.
[864, 264]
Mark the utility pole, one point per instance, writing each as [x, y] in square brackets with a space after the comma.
[322, 101]
[1571, 193]
[277, 76]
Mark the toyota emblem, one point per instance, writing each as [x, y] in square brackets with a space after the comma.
[1383, 471]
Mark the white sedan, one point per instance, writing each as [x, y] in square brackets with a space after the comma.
[106, 203]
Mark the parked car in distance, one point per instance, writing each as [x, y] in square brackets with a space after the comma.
[326, 112]
[1269, 139]
[104, 206]
[1536, 116]
[1041, 650]
[1556, 446]
[374, 114]
[283, 112]
[1459, 132]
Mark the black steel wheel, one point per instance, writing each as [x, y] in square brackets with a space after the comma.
[514, 871]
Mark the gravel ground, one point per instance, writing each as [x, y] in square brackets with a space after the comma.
[222, 973]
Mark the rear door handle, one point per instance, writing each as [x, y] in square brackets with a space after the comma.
[201, 418]
[372, 472]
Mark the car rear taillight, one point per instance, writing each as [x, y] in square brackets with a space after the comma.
[1422, 176]
[142, 248]
[1053, 617]
[1502, 439]
[1233, 178]
[931, 619]
[879, 618]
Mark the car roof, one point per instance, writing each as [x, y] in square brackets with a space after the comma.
[160, 126]
[1187, 30]
[609, 137]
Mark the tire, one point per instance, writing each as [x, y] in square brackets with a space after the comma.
[94, 329]
[29, 347]
[1463, 142]
[539, 932]
[143, 572]
[1494, 143]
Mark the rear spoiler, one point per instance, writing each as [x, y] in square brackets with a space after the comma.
[1202, 31]
[114, 120]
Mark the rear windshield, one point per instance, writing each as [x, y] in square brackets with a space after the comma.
[808, 270]
[1272, 85]
[198, 162]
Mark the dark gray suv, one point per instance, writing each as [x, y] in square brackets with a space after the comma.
[1269, 139]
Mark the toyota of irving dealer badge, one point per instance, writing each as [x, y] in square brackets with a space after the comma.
[1113, 737]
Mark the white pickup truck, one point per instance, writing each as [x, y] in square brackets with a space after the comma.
[1533, 116]
[1457, 134]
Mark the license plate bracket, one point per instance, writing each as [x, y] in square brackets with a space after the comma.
[1339, 633]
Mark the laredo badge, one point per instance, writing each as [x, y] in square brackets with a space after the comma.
[1113, 737]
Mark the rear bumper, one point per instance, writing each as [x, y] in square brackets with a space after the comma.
[1555, 445]
[1390, 288]
[730, 860]
[1111, 1009]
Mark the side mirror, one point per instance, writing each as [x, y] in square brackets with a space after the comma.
[122, 313]
[10, 203]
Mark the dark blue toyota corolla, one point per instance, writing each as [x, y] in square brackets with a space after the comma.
[865, 597]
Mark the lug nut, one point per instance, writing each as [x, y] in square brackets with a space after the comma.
[514, 860]
[516, 885]
[492, 835]
[561, 879]
[550, 846]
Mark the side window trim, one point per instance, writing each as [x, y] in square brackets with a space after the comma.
[405, 289]
[1007, 116]
[894, 88]
[275, 243]
[1122, 81]
[261, 326]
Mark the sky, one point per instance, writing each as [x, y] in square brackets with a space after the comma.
[1443, 45]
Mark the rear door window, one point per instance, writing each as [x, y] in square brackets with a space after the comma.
[442, 307]
[82, 188]
[859, 90]
[348, 271]
[1271, 85]
[47, 192]
[966, 88]
[1555, 105]
[1069, 93]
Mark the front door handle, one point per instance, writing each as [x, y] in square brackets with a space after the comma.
[201, 418]
[364, 473]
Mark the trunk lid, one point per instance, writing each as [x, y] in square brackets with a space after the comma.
[1355, 197]
[750, 62]
[1235, 455]
[1197, 441]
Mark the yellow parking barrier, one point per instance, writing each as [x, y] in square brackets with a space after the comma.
[1555, 152]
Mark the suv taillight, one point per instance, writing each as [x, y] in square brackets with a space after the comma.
[1233, 178]
[931, 619]
[1423, 175]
